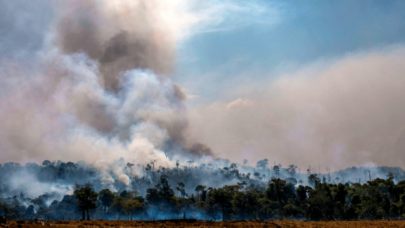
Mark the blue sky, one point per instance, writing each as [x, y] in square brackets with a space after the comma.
[289, 35]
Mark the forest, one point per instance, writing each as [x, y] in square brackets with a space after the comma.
[218, 191]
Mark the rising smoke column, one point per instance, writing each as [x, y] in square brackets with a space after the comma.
[95, 88]
[120, 36]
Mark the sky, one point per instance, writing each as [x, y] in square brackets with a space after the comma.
[315, 83]
[283, 35]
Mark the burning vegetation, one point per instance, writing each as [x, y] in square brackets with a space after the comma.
[217, 191]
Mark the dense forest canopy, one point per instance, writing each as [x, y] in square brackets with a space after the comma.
[219, 191]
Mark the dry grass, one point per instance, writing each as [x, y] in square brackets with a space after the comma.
[167, 224]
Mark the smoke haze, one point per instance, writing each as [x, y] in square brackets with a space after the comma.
[336, 113]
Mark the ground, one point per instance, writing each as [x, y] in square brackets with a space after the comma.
[167, 224]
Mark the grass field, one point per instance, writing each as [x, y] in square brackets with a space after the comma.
[269, 224]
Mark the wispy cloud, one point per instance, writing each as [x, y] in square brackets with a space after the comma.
[196, 17]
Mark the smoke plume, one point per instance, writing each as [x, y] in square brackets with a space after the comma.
[93, 85]
[120, 35]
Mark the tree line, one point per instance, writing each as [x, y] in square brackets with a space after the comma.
[274, 199]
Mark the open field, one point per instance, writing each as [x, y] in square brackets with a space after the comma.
[267, 224]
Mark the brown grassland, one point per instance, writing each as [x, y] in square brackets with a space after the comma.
[253, 224]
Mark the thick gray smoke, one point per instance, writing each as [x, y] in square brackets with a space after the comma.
[88, 81]
[120, 36]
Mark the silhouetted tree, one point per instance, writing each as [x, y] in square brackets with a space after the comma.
[106, 197]
[86, 198]
[181, 189]
[199, 189]
[292, 170]
[262, 164]
[276, 170]
[313, 180]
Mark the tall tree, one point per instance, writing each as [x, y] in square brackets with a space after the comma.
[106, 197]
[313, 180]
[181, 189]
[86, 198]
[198, 189]
[276, 170]
[262, 164]
[132, 205]
[292, 170]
